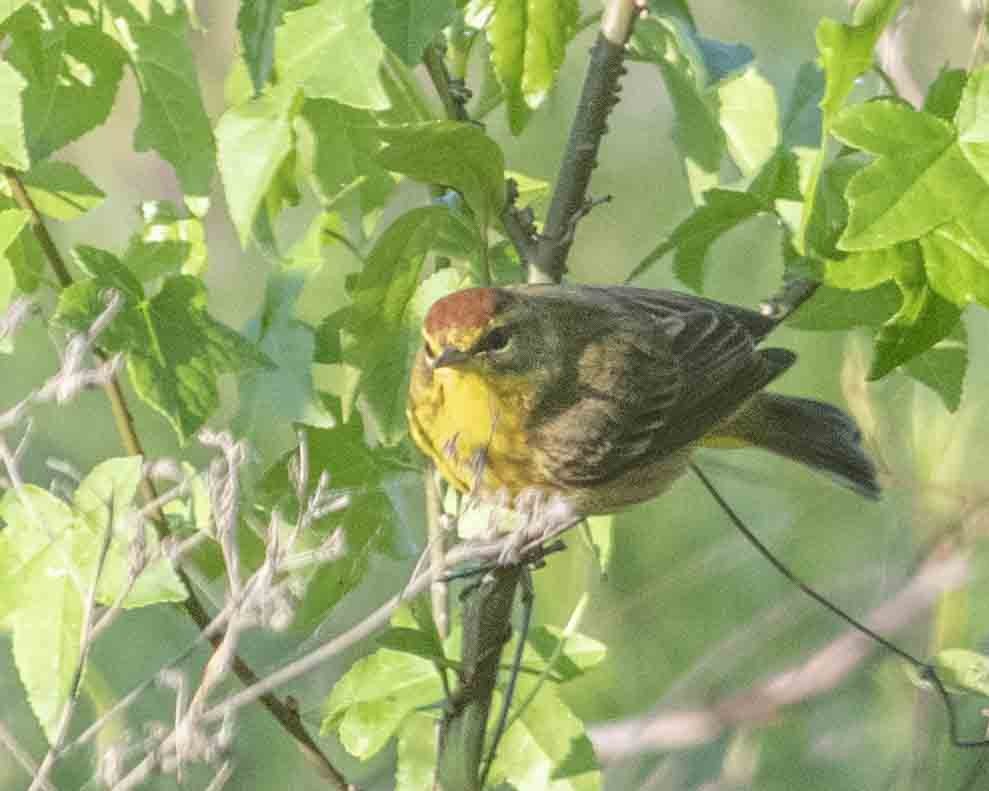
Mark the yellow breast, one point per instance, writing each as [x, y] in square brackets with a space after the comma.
[473, 428]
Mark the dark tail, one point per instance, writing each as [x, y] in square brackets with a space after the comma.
[811, 432]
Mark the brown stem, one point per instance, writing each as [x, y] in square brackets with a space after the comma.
[598, 97]
[286, 716]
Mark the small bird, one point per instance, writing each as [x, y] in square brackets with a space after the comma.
[601, 394]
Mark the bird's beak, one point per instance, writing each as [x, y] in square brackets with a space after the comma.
[450, 356]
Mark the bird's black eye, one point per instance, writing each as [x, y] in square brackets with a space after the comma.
[494, 341]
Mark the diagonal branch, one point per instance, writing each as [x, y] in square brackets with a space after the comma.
[283, 713]
[815, 676]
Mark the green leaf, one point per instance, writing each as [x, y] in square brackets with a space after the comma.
[256, 22]
[254, 140]
[72, 74]
[749, 115]
[924, 318]
[457, 155]
[961, 670]
[416, 753]
[942, 367]
[920, 180]
[368, 521]
[412, 641]
[528, 41]
[175, 349]
[972, 121]
[61, 190]
[388, 308]
[957, 265]
[27, 260]
[546, 747]
[945, 93]
[110, 489]
[572, 655]
[697, 131]
[860, 271]
[166, 244]
[173, 119]
[8, 7]
[271, 399]
[369, 702]
[846, 51]
[832, 309]
[408, 26]
[47, 632]
[692, 238]
[12, 221]
[345, 172]
[44, 598]
[330, 51]
[13, 147]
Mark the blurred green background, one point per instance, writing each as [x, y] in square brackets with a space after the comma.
[688, 610]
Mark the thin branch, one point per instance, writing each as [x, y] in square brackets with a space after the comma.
[21, 756]
[124, 421]
[816, 676]
[598, 97]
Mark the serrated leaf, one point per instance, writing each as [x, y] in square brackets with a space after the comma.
[368, 521]
[60, 190]
[696, 130]
[72, 74]
[942, 367]
[846, 51]
[109, 490]
[330, 51]
[920, 179]
[256, 22]
[370, 701]
[456, 155]
[749, 115]
[972, 121]
[13, 147]
[957, 265]
[691, 239]
[175, 349]
[168, 242]
[528, 41]
[254, 140]
[173, 119]
[344, 170]
[924, 318]
[832, 309]
[384, 319]
[546, 747]
[860, 271]
[408, 26]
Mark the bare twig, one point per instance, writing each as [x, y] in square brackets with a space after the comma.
[131, 441]
[21, 756]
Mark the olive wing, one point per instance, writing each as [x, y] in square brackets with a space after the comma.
[664, 372]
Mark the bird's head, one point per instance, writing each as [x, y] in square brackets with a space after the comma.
[488, 329]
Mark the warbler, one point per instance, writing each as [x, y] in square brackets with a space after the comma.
[601, 394]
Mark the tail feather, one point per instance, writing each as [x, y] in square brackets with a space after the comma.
[811, 432]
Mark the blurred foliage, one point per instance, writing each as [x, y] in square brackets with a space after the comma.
[294, 175]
